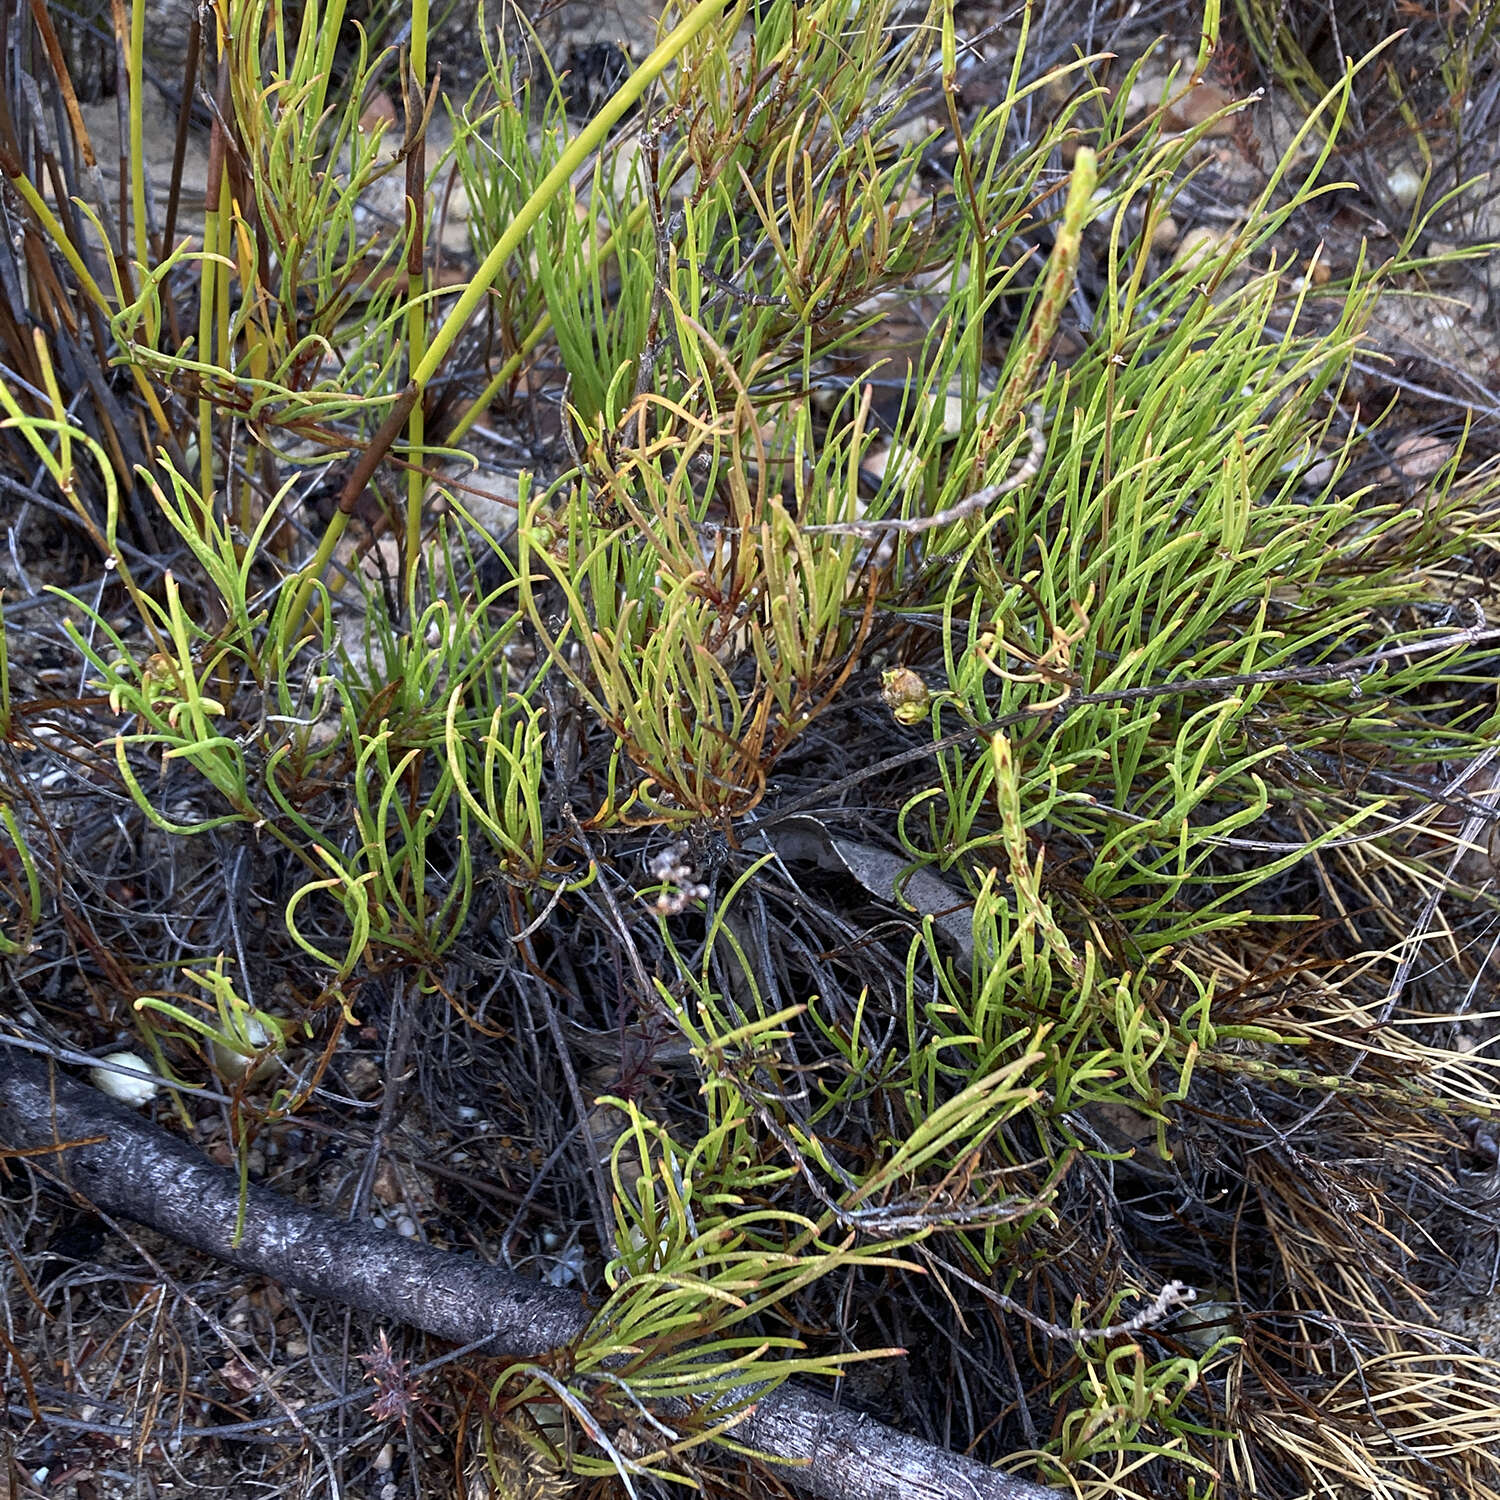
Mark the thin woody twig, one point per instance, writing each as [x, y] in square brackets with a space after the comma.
[662, 247]
[1174, 1295]
[971, 505]
[1352, 670]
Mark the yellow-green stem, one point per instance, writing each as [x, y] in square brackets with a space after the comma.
[416, 310]
[587, 141]
[584, 144]
[136, 83]
[207, 298]
[507, 372]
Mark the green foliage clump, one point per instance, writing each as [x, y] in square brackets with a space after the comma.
[1162, 704]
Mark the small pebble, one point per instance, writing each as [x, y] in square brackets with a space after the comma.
[1199, 246]
[121, 1086]
[1421, 455]
[1199, 105]
[1405, 182]
[953, 416]
[380, 113]
[232, 1064]
[1317, 476]
[894, 459]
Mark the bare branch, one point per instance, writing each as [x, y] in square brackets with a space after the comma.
[969, 506]
[134, 1168]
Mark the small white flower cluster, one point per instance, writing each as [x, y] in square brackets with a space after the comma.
[671, 868]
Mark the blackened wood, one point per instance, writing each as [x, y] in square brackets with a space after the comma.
[848, 1456]
[142, 1172]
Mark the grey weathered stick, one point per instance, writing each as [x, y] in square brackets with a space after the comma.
[143, 1172]
[134, 1168]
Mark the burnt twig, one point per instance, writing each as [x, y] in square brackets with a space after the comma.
[133, 1168]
